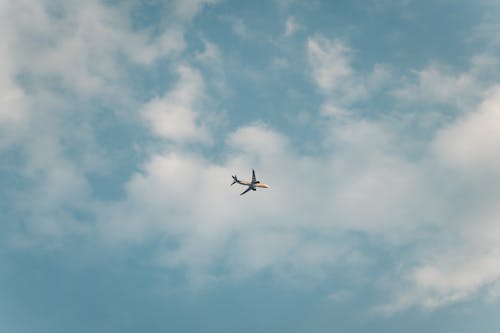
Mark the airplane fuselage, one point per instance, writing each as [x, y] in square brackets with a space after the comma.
[253, 184]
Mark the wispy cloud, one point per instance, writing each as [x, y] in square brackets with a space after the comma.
[291, 26]
[331, 70]
[437, 84]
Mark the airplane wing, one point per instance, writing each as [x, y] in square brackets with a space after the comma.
[253, 176]
[248, 189]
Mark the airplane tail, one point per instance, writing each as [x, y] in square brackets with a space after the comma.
[235, 180]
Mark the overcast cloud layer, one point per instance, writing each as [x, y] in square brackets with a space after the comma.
[121, 123]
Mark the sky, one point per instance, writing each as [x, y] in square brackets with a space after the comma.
[376, 124]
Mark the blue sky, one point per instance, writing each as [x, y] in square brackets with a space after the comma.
[376, 123]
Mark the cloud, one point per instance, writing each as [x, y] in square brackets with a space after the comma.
[340, 296]
[213, 62]
[447, 278]
[257, 140]
[239, 27]
[332, 72]
[448, 188]
[159, 201]
[74, 40]
[13, 113]
[462, 263]
[330, 62]
[439, 85]
[434, 86]
[487, 29]
[65, 66]
[187, 9]
[456, 277]
[291, 26]
[369, 177]
[210, 55]
[174, 115]
[470, 142]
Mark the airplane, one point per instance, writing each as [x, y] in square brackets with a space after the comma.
[251, 185]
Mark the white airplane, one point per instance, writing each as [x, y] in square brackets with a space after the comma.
[251, 185]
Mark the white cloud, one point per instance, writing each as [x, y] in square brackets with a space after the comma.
[72, 44]
[330, 62]
[174, 116]
[160, 201]
[13, 114]
[257, 140]
[457, 275]
[456, 278]
[451, 188]
[84, 45]
[462, 262]
[437, 84]
[291, 26]
[61, 63]
[332, 72]
[470, 142]
[239, 27]
[215, 67]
